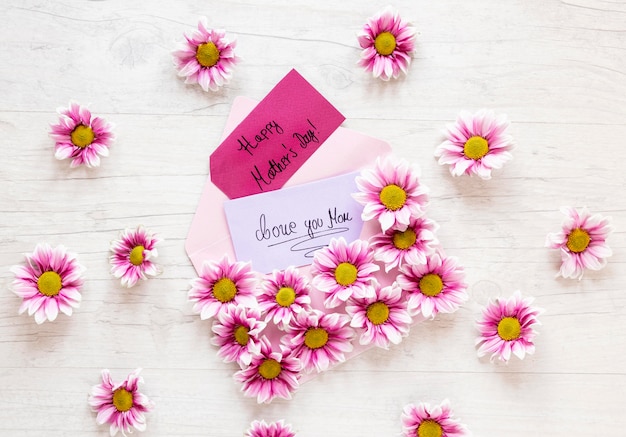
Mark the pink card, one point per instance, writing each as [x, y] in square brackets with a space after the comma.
[274, 140]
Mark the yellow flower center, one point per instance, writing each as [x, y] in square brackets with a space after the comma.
[476, 147]
[122, 399]
[393, 197]
[49, 283]
[241, 335]
[404, 239]
[431, 284]
[509, 328]
[315, 338]
[578, 240]
[207, 54]
[346, 274]
[285, 296]
[136, 255]
[270, 368]
[378, 313]
[82, 136]
[224, 290]
[429, 428]
[385, 43]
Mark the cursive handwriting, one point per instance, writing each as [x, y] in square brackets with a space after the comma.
[271, 128]
[265, 233]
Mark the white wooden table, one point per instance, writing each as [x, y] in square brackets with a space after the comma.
[557, 68]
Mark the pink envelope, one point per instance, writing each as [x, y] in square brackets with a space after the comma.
[343, 152]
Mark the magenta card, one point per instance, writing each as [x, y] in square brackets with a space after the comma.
[275, 139]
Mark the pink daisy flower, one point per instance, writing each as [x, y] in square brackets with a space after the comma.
[476, 144]
[434, 287]
[121, 405]
[424, 420]
[80, 136]
[391, 193]
[342, 270]
[582, 242]
[237, 333]
[133, 256]
[507, 326]
[206, 57]
[222, 284]
[270, 374]
[411, 246]
[384, 316]
[320, 339]
[283, 294]
[272, 429]
[49, 283]
[388, 43]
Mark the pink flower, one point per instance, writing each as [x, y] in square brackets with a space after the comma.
[272, 429]
[319, 339]
[283, 294]
[270, 374]
[391, 193]
[507, 326]
[80, 136]
[384, 316]
[237, 334]
[434, 287]
[476, 144]
[411, 246]
[388, 43]
[424, 420]
[49, 282]
[133, 256]
[120, 405]
[206, 57]
[222, 284]
[582, 242]
[342, 270]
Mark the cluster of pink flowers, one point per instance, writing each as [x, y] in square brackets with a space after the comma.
[242, 303]
[429, 281]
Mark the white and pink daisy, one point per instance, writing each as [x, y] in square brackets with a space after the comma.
[342, 270]
[391, 193]
[425, 420]
[383, 317]
[320, 340]
[284, 293]
[272, 429]
[237, 333]
[271, 374]
[388, 43]
[223, 284]
[507, 326]
[476, 144]
[206, 57]
[133, 256]
[120, 405]
[49, 283]
[434, 287]
[582, 242]
[80, 136]
[411, 246]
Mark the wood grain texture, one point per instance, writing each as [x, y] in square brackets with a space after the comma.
[556, 68]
